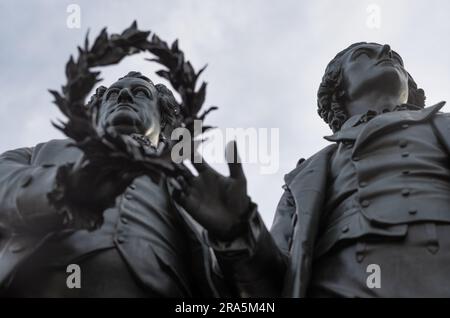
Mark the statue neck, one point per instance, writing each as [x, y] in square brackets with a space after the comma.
[373, 102]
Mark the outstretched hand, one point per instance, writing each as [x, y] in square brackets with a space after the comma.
[219, 203]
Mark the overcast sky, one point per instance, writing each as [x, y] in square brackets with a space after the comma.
[266, 59]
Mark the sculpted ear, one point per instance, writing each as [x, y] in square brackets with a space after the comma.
[170, 111]
[95, 102]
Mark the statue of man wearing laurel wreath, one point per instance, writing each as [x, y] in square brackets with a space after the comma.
[100, 198]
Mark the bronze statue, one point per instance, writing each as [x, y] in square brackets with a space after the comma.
[110, 200]
[101, 199]
[379, 195]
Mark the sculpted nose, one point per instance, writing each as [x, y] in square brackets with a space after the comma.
[385, 51]
[124, 96]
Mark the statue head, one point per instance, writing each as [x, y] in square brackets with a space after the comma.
[364, 72]
[134, 105]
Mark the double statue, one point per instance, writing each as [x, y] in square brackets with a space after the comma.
[379, 194]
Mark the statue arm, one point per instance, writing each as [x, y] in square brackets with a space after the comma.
[23, 193]
[256, 262]
[252, 260]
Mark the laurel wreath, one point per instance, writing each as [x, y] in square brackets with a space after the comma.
[108, 149]
[81, 79]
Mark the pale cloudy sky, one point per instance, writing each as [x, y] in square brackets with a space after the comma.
[266, 59]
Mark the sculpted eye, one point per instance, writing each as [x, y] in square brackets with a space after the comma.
[112, 93]
[362, 54]
[140, 91]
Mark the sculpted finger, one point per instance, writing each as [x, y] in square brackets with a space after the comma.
[185, 172]
[184, 183]
[201, 165]
[234, 161]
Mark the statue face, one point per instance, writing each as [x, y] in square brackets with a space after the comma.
[130, 106]
[371, 67]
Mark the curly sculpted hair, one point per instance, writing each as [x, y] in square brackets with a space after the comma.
[331, 92]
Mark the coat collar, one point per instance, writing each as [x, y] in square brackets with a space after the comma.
[352, 131]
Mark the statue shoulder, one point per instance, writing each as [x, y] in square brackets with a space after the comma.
[441, 119]
[441, 123]
[444, 116]
[302, 163]
[54, 143]
[48, 151]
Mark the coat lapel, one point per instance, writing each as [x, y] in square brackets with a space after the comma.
[202, 260]
[380, 123]
[307, 184]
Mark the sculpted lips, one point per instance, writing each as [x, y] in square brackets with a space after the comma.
[122, 106]
[124, 115]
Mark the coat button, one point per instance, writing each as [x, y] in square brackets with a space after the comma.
[412, 211]
[403, 143]
[121, 239]
[132, 186]
[405, 192]
[363, 184]
[365, 203]
[356, 158]
[405, 154]
[405, 172]
[345, 229]
[124, 220]
[404, 126]
[128, 196]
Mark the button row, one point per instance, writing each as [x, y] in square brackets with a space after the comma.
[124, 219]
